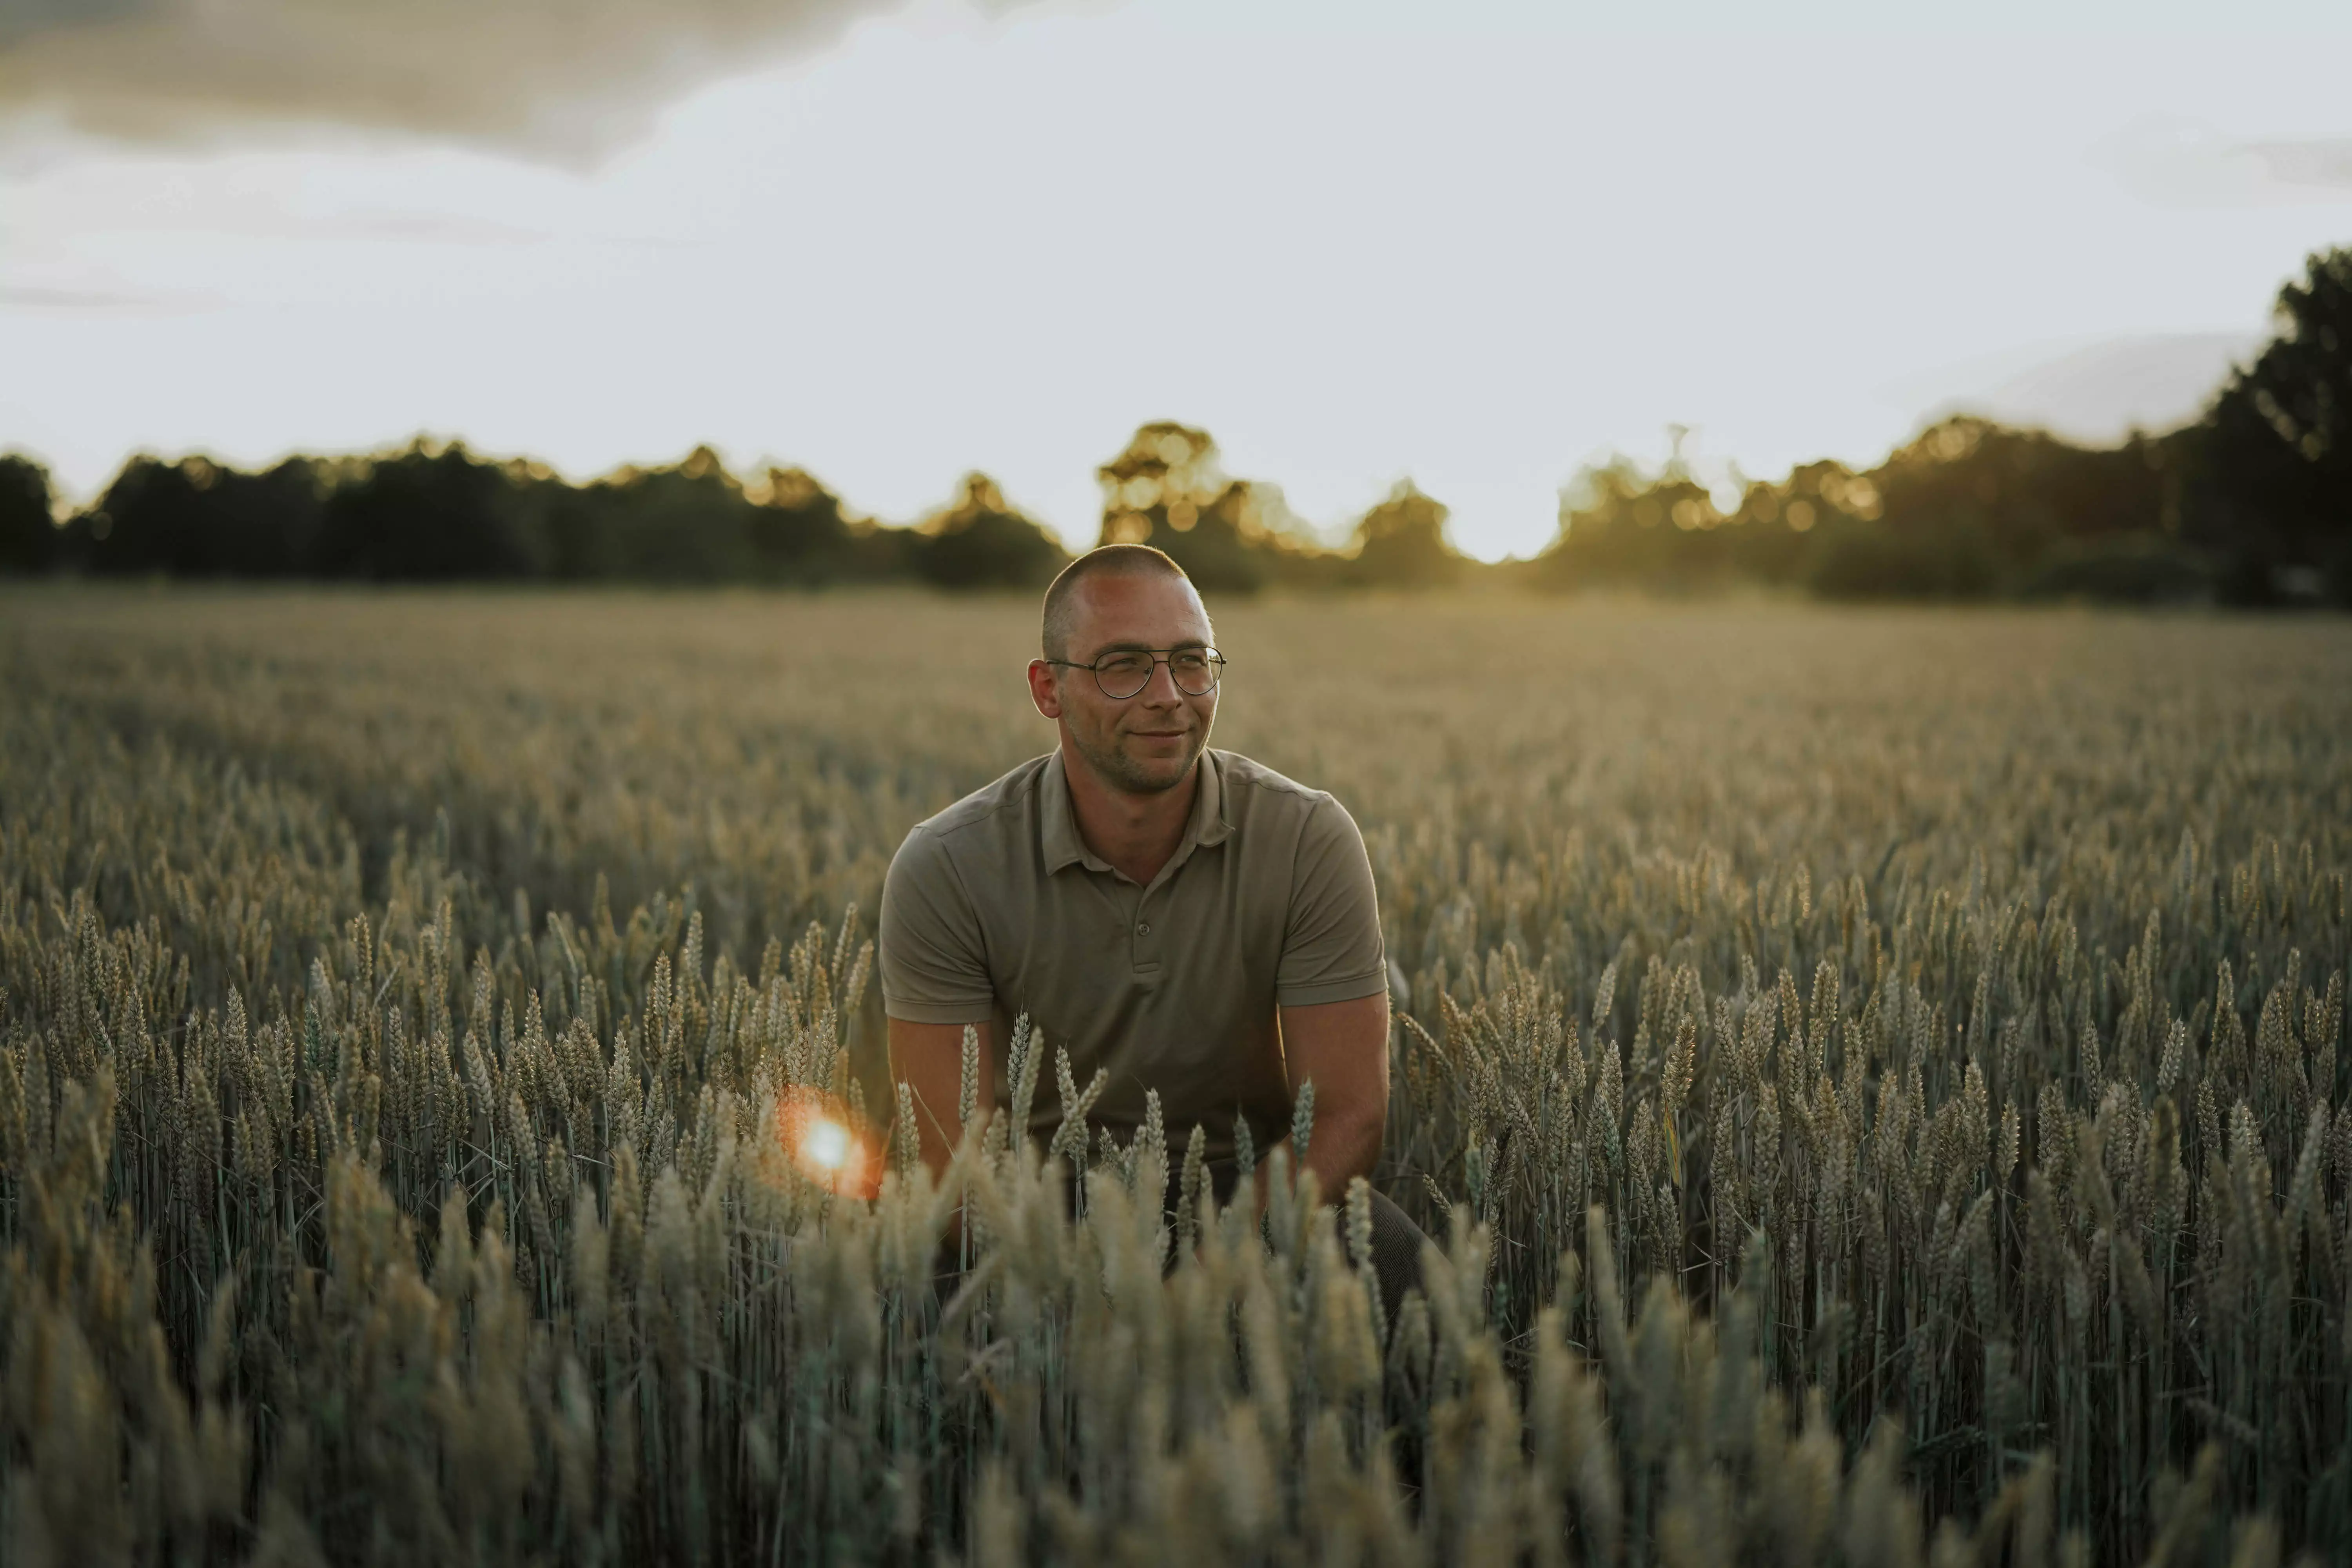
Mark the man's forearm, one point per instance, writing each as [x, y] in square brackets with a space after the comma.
[1343, 1144]
[1340, 1049]
[929, 1059]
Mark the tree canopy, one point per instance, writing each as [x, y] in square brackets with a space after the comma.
[2273, 485]
[28, 538]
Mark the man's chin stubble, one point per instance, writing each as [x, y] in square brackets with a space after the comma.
[1124, 775]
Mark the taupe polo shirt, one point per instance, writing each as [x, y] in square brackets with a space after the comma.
[995, 908]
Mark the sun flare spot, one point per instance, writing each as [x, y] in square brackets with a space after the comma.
[827, 1144]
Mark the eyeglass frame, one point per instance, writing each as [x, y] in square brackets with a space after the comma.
[1159, 656]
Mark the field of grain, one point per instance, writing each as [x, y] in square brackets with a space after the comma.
[1878, 1078]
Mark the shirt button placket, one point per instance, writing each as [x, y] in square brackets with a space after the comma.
[1146, 941]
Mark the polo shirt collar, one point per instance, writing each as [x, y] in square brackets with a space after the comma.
[1060, 825]
[1059, 822]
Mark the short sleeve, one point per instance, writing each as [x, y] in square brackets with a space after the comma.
[934, 967]
[1331, 944]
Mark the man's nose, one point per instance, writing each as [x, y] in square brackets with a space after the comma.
[1161, 690]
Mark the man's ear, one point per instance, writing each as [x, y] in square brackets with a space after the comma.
[1045, 693]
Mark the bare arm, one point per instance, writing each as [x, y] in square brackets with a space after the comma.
[1342, 1047]
[929, 1059]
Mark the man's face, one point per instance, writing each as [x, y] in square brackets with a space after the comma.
[1148, 742]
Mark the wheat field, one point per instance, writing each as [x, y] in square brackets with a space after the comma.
[1876, 1078]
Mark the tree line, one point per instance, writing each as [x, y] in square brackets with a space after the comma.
[2251, 503]
[440, 512]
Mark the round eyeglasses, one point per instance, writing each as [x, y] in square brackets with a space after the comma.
[1124, 672]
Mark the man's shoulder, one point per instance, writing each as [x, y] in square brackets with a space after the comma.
[990, 804]
[1239, 772]
[1251, 787]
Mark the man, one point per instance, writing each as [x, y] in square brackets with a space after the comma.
[1189, 921]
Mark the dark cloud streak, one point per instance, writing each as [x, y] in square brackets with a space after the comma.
[568, 81]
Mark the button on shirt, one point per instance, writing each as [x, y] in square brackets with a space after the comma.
[995, 908]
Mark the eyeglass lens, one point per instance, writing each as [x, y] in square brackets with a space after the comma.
[1122, 674]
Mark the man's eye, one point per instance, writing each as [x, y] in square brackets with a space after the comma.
[1125, 664]
[1189, 663]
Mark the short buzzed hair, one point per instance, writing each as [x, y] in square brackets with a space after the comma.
[1102, 561]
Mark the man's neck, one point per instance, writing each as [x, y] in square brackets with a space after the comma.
[1135, 834]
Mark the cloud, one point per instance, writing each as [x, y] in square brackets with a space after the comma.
[2325, 164]
[2175, 161]
[564, 79]
[112, 301]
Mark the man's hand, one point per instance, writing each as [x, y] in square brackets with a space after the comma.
[929, 1059]
[1343, 1048]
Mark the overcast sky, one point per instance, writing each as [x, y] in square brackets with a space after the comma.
[1480, 245]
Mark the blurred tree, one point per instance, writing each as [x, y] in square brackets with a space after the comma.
[198, 518]
[800, 533]
[428, 514]
[2128, 568]
[28, 530]
[1966, 509]
[687, 523]
[979, 541]
[1623, 526]
[1167, 490]
[1775, 541]
[1401, 542]
[1223, 549]
[1159, 484]
[2273, 487]
[1853, 558]
[2021, 492]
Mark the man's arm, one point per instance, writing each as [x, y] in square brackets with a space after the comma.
[929, 1059]
[1332, 989]
[1342, 1047]
[934, 980]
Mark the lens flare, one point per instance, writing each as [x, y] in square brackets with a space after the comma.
[826, 1144]
[820, 1139]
